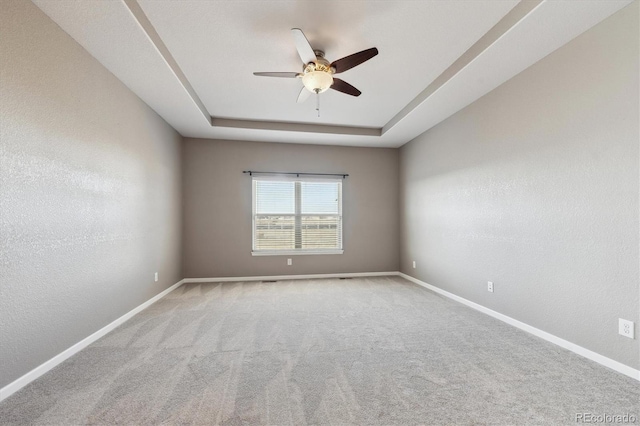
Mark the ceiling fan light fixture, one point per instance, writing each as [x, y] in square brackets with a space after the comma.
[317, 81]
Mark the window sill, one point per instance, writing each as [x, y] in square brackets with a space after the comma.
[294, 252]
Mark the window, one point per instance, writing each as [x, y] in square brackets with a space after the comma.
[297, 216]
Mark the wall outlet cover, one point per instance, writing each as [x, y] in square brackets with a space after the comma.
[626, 328]
[490, 286]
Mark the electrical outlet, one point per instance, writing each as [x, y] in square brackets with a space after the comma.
[625, 328]
[490, 286]
[414, 264]
[289, 262]
[155, 277]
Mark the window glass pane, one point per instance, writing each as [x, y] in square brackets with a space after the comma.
[321, 232]
[273, 197]
[275, 232]
[320, 197]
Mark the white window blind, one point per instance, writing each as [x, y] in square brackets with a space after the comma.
[297, 216]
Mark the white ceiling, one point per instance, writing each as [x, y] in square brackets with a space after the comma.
[190, 60]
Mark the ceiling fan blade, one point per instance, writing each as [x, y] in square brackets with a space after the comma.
[348, 62]
[344, 87]
[302, 45]
[277, 74]
[303, 95]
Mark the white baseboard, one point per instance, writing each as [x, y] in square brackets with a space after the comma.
[289, 277]
[21, 382]
[593, 356]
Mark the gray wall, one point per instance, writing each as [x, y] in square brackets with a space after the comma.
[217, 207]
[89, 194]
[535, 187]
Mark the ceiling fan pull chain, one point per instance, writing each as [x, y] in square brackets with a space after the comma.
[318, 102]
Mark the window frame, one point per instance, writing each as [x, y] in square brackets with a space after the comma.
[296, 215]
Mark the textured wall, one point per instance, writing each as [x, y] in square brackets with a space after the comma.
[535, 187]
[217, 207]
[89, 194]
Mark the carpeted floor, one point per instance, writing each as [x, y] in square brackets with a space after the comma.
[358, 351]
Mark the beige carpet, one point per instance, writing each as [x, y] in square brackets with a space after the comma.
[359, 351]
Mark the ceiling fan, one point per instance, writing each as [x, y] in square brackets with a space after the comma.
[317, 73]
